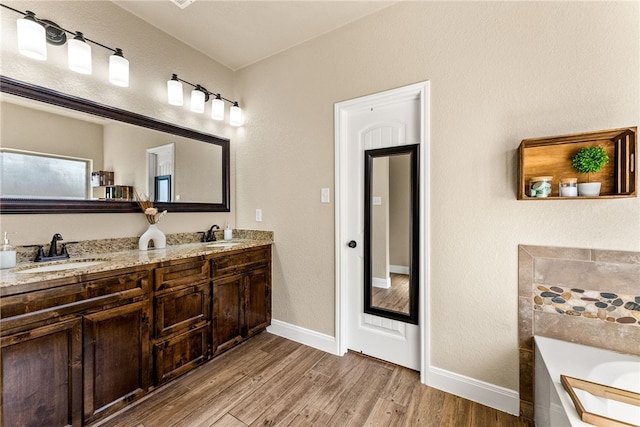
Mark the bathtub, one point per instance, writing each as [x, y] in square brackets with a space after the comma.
[553, 406]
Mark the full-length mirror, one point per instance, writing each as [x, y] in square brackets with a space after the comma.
[391, 244]
[96, 157]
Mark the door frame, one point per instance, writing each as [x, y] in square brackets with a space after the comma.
[341, 117]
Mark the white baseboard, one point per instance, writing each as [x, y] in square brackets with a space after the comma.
[399, 269]
[380, 282]
[493, 396]
[304, 336]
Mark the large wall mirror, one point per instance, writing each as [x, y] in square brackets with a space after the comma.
[104, 156]
[391, 234]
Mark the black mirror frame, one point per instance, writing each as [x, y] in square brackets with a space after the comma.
[414, 239]
[53, 206]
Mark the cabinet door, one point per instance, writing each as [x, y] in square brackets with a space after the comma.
[116, 358]
[42, 376]
[258, 297]
[228, 312]
[181, 353]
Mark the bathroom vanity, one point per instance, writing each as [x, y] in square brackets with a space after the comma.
[80, 344]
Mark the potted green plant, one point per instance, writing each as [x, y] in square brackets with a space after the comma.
[589, 160]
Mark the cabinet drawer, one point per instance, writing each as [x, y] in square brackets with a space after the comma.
[181, 353]
[181, 274]
[226, 265]
[181, 309]
[17, 310]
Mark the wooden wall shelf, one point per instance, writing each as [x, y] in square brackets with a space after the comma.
[552, 156]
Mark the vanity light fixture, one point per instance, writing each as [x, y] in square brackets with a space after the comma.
[34, 34]
[217, 108]
[235, 115]
[79, 54]
[174, 91]
[32, 40]
[199, 97]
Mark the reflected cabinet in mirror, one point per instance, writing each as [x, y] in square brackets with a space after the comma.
[391, 242]
[63, 154]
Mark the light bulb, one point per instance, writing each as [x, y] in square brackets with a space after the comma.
[197, 100]
[235, 115]
[79, 54]
[217, 108]
[118, 69]
[32, 39]
[174, 91]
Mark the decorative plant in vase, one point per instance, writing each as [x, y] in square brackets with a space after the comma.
[589, 160]
[153, 233]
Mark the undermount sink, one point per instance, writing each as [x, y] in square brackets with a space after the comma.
[62, 266]
[222, 244]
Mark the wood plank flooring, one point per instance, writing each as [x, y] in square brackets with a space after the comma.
[272, 381]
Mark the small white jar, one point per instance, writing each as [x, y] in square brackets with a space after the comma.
[568, 187]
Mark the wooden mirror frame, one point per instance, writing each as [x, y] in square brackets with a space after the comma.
[54, 206]
[414, 233]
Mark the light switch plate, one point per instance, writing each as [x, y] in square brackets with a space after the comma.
[324, 195]
[258, 215]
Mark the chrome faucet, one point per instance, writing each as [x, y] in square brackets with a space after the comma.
[210, 236]
[53, 250]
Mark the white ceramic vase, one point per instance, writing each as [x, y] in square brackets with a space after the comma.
[589, 189]
[152, 233]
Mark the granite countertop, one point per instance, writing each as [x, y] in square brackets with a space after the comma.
[17, 279]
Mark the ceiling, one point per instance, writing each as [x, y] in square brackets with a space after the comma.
[241, 32]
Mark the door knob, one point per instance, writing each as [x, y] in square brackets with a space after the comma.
[352, 244]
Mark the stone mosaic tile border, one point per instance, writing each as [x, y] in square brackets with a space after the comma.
[604, 306]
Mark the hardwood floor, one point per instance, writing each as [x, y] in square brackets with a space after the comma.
[271, 381]
[396, 298]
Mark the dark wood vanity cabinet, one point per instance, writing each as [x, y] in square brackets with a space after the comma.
[241, 296]
[77, 349]
[182, 307]
[74, 352]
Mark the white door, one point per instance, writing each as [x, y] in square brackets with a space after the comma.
[377, 121]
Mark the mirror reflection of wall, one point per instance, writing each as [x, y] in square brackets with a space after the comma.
[399, 213]
[380, 224]
[112, 146]
[390, 232]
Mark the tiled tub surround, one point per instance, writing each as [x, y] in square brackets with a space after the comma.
[586, 296]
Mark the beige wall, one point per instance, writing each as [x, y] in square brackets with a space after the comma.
[38, 131]
[499, 73]
[153, 57]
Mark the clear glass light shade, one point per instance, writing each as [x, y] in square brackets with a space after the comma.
[32, 40]
[174, 92]
[118, 70]
[235, 115]
[217, 109]
[197, 101]
[79, 55]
